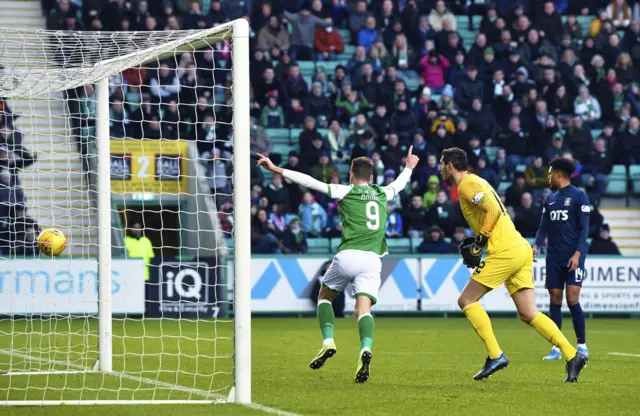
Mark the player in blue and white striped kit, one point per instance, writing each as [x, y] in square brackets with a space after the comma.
[565, 222]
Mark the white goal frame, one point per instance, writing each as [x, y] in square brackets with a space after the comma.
[241, 389]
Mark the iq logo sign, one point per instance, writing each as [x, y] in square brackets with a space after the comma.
[184, 289]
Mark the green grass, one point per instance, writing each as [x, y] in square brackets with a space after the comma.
[420, 366]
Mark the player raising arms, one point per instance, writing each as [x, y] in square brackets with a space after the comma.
[357, 261]
[565, 222]
[509, 261]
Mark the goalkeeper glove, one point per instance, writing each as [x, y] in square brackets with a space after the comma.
[471, 250]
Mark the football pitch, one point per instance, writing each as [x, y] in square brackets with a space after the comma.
[420, 366]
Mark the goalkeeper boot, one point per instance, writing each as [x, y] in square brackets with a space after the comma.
[362, 372]
[574, 367]
[326, 352]
[491, 366]
[553, 355]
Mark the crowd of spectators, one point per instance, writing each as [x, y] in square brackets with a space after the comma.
[530, 87]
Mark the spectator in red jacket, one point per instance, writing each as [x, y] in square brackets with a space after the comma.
[434, 68]
[328, 43]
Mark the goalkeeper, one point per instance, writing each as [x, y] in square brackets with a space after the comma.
[357, 261]
[509, 260]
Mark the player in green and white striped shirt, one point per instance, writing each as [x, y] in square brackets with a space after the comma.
[357, 260]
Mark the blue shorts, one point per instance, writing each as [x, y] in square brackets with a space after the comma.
[558, 275]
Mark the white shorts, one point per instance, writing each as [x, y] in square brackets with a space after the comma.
[360, 268]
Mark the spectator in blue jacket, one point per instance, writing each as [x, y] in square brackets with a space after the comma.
[394, 223]
[368, 34]
[313, 218]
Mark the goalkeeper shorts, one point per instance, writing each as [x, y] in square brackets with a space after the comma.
[513, 267]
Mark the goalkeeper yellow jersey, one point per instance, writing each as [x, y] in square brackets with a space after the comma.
[486, 215]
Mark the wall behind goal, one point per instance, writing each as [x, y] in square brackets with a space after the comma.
[433, 284]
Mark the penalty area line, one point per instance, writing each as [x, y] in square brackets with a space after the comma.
[624, 354]
[209, 395]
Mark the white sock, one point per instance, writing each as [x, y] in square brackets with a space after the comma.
[582, 346]
[327, 342]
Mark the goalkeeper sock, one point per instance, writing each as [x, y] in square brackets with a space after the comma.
[366, 328]
[326, 319]
[480, 321]
[555, 313]
[551, 333]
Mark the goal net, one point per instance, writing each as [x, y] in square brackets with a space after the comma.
[135, 145]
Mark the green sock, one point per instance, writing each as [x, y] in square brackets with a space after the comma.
[326, 319]
[366, 327]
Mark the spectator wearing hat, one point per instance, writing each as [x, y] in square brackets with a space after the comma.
[274, 38]
[272, 115]
[433, 242]
[323, 170]
[603, 243]
[556, 147]
[303, 30]
[433, 68]
[424, 107]
[349, 106]
[513, 194]
[293, 238]
[447, 103]
[521, 85]
[470, 88]
[489, 65]
[431, 194]
[439, 14]
[365, 147]
[394, 227]
[328, 42]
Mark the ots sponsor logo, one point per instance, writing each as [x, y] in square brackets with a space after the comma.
[561, 215]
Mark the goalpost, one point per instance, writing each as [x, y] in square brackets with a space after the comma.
[86, 150]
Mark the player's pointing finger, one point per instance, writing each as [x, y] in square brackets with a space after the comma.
[410, 150]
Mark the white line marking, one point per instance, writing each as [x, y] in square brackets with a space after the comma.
[214, 396]
[624, 354]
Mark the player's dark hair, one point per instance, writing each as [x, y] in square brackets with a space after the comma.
[564, 165]
[362, 168]
[457, 157]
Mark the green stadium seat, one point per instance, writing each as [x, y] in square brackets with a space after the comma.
[492, 152]
[349, 50]
[502, 188]
[617, 185]
[399, 245]
[595, 133]
[584, 21]
[323, 132]
[295, 135]
[307, 69]
[521, 168]
[329, 67]
[345, 34]
[334, 243]
[278, 135]
[634, 174]
[318, 245]
[343, 168]
[435, 97]
[283, 149]
[415, 243]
